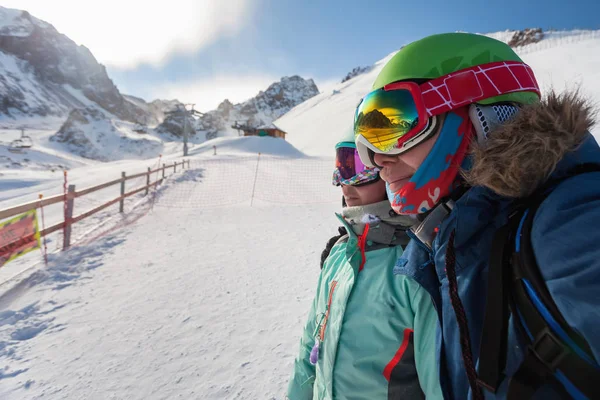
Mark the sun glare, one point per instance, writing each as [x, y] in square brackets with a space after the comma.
[125, 34]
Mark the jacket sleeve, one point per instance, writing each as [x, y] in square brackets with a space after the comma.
[425, 329]
[303, 376]
[565, 238]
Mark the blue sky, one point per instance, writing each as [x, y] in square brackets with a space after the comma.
[206, 51]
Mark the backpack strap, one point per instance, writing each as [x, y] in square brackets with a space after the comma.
[493, 345]
[514, 282]
[555, 351]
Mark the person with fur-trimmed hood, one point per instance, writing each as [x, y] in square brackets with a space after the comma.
[370, 330]
[506, 187]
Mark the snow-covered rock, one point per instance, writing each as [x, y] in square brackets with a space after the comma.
[90, 134]
[355, 72]
[526, 36]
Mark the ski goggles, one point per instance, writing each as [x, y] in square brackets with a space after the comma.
[349, 169]
[398, 116]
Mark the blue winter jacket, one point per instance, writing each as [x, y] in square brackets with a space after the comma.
[565, 235]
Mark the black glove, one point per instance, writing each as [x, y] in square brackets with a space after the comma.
[330, 243]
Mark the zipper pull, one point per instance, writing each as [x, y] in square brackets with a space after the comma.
[314, 353]
[362, 242]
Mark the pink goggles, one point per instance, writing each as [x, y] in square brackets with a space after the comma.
[349, 169]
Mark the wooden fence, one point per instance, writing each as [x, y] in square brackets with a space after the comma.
[69, 200]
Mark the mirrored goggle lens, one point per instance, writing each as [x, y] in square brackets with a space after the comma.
[348, 162]
[383, 117]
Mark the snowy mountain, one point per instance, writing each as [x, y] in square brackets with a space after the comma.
[263, 109]
[44, 73]
[560, 59]
[155, 110]
[46, 80]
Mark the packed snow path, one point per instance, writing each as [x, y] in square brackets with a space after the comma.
[185, 303]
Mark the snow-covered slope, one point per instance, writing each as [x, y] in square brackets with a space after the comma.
[42, 156]
[561, 60]
[188, 303]
[247, 145]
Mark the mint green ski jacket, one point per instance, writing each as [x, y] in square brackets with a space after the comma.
[376, 329]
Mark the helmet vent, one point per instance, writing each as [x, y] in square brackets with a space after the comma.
[487, 118]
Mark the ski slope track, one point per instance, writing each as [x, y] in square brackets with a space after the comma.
[200, 290]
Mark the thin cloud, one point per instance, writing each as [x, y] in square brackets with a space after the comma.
[127, 33]
[208, 93]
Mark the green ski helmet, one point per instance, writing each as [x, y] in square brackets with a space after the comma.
[442, 54]
[432, 59]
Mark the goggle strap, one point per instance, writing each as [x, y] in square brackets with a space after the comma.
[477, 83]
[427, 133]
[368, 175]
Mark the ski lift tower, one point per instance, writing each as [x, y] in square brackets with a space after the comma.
[185, 113]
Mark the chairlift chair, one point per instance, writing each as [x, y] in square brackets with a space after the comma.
[25, 142]
[16, 146]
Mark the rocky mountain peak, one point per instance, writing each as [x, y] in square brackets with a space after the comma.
[263, 109]
[54, 61]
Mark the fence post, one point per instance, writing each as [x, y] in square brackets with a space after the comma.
[122, 202]
[68, 217]
[148, 180]
[255, 176]
[175, 167]
[164, 166]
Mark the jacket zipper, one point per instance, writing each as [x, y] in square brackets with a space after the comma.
[362, 240]
[324, 324]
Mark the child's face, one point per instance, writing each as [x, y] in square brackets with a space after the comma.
[366, 194]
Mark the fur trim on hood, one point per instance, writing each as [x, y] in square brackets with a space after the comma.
[520, 155]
